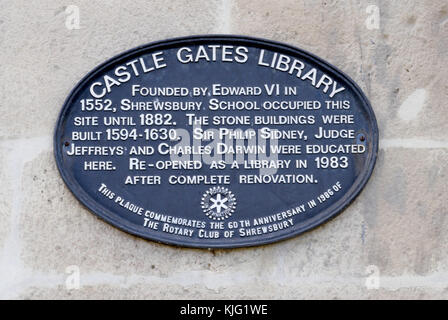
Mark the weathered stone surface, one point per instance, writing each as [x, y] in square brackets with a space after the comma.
[249, 290]
[384, 227]
[6, 194]
[406, 53]
[14, 154]
[405, 212]
[42, 59]
[397, 224]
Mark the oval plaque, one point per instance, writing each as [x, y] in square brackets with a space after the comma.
[216, 141]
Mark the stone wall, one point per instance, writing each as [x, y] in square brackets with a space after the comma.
[392, 242]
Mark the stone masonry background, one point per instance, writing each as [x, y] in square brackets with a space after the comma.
[392, 242]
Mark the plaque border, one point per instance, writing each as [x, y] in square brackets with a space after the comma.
[124, 225]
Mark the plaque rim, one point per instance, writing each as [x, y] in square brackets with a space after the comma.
[122, 224]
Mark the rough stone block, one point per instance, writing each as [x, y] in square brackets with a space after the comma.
[397, 224]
